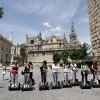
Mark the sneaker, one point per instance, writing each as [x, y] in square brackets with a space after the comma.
[12, 85]
[24, 86]
[97, 82]
[28, 86]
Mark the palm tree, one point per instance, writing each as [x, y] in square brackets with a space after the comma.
[1, 12]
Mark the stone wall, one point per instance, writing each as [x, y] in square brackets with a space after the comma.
[94, 21]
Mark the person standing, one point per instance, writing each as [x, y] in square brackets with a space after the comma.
[65, 71]
[30, 65]
[73, 66]
[3, 71]
[84, 71]
[14, 73]
[95, 70]
[55, 68]
[43, 70]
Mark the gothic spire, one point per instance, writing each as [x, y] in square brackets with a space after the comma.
[72, 29]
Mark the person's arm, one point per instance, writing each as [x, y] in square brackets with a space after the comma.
[53, 67]
[93, 68]
[81, 68]
[63, 66]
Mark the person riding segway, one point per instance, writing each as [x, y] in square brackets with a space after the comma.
[55, 84]
[27, 85]
[95, 82]
[84, 72]
[43, 85]
[66, 82]
[73, 67]
[13, 84]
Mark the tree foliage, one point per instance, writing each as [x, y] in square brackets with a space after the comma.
[23, 52]
[56, 57]
[64, 54]
[1, 12]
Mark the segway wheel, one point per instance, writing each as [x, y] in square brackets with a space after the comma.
[59, 84]
[39, 88]
[18, 86]
[51, 85]
[62, 84]
[81, 85]
[47, 84]
[22, 88]
[9, 87]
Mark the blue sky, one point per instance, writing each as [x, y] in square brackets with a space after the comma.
[48, 16]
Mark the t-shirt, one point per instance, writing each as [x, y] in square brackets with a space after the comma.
[66, 68]
[43, 68]
[14, 70]
[73, 66]
[3, 70]
[95, 66]
[84, 67]
[31, 68]
[55, 67]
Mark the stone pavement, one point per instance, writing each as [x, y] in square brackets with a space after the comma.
[74, 93]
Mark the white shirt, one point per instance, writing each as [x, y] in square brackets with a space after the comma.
[55, 67]
[66, 69]
[3, 70]
[74, 66]
[31, 68]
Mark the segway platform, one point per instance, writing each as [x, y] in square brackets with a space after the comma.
[85, 86]
[95, 84]
[15, 87]
[44, 86]
[27, 87]
[55, 86]
[69, 84]
[76, 83]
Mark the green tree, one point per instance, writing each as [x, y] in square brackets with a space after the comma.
[1, 12]
[75, 54]
[56, 57]
[23, 53]
[85, 50]
[64, 54]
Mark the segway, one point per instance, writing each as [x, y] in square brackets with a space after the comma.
[95, 83]
[85, 86]
[56, 85]
[44, 86]
[66, 84]
[11, 86]
[28, 85]
[76, 82]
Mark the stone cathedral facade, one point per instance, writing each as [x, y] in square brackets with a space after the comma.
[39, 49]
[94, 21]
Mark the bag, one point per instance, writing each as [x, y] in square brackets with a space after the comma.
[22, 72]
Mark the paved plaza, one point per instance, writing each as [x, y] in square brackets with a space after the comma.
[74, 93]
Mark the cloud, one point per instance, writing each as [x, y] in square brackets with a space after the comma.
[46, 24]
[84, 20]
[62, 10]
[85, 39]
[57, 31]
[19, 31]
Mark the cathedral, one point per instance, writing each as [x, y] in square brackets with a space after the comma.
[39, 49]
